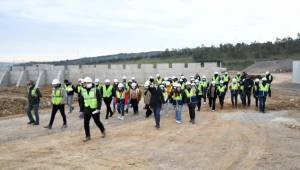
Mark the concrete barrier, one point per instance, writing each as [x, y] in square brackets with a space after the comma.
[44, 74]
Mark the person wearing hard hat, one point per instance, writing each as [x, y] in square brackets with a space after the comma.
[135, 97]
[238, 77]
[70, 89]
[120, 97]
[156, 101]
[92, 105]
[33, 96]
[58, 101]
[147, 97]
[115, 88]
[221, 91]
[200, 88]
[177, 99]
[204, 83]
[190, 96]
[98, 84]
[269, 78]
[212, 95]
[158, 79]
[78, 89]
[234, 90]
[226, 79]
[256, 91]
[216, 78]
[126, 87]
[263, 93]
[248, 89]
[107, 94]
[242, 92]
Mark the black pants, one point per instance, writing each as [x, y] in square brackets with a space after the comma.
[221, 100]
[87, 117]
[61, 109]
[204, 95]
[248, 98]
[212, 103]
[80, 103]
[135, 105]
[35, 108]
[226, 87]
[256, 100]
[107, 101]
[192, 107]
[234, 100]
[199, 102]
[243, 98]
[262, 103]
[148, 111]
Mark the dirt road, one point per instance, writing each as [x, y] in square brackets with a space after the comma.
[227, 139]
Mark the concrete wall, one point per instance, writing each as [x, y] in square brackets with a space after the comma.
[296, 71]
[72, 72]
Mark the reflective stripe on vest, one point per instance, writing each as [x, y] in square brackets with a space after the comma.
[68, 88]
[238, 78]
[57, 96]
[264, 88]
[120, 94]
[200, 89]
[226, 78]
[216, 79]
[107, 92]
[33, 92]
[221, 89]
[190, 93]
[234, 86]
[179, 97]
[90, 99]
[204, 84]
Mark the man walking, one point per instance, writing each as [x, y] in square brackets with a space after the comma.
[33, 96]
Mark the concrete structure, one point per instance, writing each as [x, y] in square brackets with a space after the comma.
[44, 74]
[296, 71]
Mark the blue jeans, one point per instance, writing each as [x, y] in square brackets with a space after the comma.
[35, 108]
[262, 102]
[178, 109]
[69, 102]
[156, 112]
[120, 107]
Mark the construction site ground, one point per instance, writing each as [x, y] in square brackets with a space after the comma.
[230, 138]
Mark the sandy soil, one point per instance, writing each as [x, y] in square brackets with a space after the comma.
[227, 139]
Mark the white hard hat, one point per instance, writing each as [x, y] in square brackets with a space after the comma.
[55, 82]
[133, 84]
[234, 80]
[264, 79]
[191, 77]
[267, 72]
[196, 81]
[213, 82]
[182, 76]
[130, 81]
[88, 80]
[216, 72]
[188, 83]
[120, 85]
[238, 72]
[124, 77]
[116, 80]
[166, 78]
[107, 81]
[173, 77]
[226, 72]
[193, 84]
[132, 78]
[221, 82]
[203, 77]
[168, 83]
[157, 75]
[97, 80]
[151, 77]
[256, 80]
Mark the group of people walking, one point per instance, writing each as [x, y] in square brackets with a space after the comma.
[157, 93]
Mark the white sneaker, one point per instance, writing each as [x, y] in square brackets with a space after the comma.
[177, 121]
[122, 117]
[119, 117]
[204, 103]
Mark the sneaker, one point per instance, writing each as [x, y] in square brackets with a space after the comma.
[122, 117]
[31, 122]
[64, 126]
[48, 127]
[36, 123]
[177, 121]
[204, 103]
[86, 139]
[119, 117]
[157, 126]
[213, 110]
[103, 134]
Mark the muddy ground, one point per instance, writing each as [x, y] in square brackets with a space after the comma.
[225, 139]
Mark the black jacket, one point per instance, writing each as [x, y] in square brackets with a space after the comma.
[33, 99]
[157, 98]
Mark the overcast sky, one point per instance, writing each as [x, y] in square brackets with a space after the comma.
[35, 30]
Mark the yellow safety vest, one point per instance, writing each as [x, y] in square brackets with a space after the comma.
[107, 92]
[90, 99]
[57, 96]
